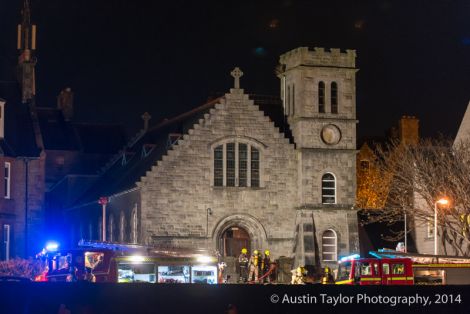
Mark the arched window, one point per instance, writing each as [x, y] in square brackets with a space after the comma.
[293, 100]
[329, 246]
[242, 165]
[122, 226]
[134, 225]
[328, 189]
[110, 235]
[288, 101]
[321, 97]
[334, 97]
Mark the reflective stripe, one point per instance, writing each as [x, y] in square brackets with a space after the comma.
[342, 282]
[371, 279]
[401, 278]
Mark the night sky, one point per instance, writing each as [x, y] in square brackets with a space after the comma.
[124, 57]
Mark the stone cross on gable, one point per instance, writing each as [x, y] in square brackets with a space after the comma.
[146, 117]
[237, 73]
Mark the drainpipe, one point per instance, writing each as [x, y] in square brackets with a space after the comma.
[26, 161]
[208, 212]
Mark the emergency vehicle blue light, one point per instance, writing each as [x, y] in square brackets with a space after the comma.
[350, 257]
[52, 246]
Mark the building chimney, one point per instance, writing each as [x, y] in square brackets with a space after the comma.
[65, 103]
[408, 130]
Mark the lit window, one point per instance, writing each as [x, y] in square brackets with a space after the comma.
[236, 164]
[334, 97]
[321, 97]
[328, 186]
[7, 180]
[329, 246]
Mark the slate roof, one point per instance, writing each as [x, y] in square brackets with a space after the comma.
[59, 134]
[125, 169]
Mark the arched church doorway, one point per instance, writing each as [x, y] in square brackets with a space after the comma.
[232, 241]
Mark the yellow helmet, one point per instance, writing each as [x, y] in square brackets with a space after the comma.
[244, 251]
[255, 252]
[266, 252]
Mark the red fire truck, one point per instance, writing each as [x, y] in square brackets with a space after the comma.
[127, 263]
[396, 268]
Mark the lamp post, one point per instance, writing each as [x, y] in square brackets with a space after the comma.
[442, 201]
[103, 201]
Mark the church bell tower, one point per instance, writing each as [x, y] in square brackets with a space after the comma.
[318, 88]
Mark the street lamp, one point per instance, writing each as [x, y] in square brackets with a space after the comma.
[441, 201]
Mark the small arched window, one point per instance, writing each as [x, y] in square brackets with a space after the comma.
[288, 101]
[321, 97]
[122, 226]
[329, 246]
[293, 100]
[328, 189]
[110, 235]
[134, 225]
[334, 97]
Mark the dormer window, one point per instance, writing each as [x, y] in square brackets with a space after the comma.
[236, 164]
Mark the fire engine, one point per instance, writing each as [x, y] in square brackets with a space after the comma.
[389, 267]
[129, 263]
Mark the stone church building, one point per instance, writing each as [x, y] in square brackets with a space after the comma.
[242, 170]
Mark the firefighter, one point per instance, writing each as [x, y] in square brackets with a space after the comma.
[254, 264]
[89, 275]
[298, 275]
[243, 265]
[265, 266]
[327, 277]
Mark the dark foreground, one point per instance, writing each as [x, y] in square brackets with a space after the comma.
[63, 298]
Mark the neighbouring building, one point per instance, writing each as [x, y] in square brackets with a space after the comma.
[243, 171]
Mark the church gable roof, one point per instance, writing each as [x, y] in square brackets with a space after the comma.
[123, 173]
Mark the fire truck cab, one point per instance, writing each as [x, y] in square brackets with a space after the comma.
[372, 271]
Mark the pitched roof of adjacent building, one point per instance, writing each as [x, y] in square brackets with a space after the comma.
[463, 133]
[125, 169]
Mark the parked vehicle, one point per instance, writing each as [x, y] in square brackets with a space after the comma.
[124, 263]
[394, 268]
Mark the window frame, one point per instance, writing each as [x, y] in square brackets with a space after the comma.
[335, 245]
[251, 146]
[7, 180]
[334, 189]
[334, 96]
[321, 97]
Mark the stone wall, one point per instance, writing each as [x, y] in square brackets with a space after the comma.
[178, 191]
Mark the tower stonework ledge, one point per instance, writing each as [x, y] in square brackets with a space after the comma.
[318, 88]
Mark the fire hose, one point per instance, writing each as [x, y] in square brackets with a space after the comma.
[269, 272]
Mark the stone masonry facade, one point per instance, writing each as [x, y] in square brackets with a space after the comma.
[181, 206]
